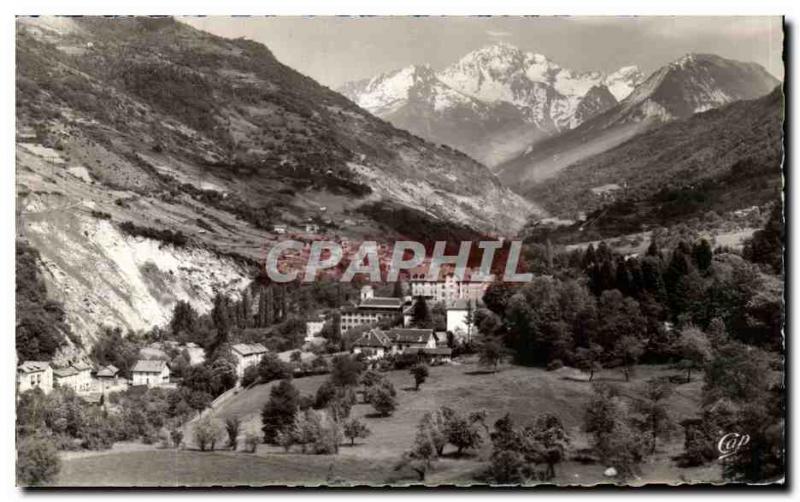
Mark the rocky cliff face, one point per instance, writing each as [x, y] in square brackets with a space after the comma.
[203, 144]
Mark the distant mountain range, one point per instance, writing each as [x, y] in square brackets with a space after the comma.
[692, 84]
[492, 103]
[722, 159]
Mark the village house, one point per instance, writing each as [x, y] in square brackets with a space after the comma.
[314, 326]
[376, 343]
[66, 377]
[108, 375]
[35, 374]
[370, 311]
[84, 377]
[152, 372]
[457, 319]
[247, 355]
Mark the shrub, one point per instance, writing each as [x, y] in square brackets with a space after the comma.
[506, 467]
[420, 373]
[382, 398]
[38, 462]
[271, 368]
[251, 441]
[232, 426]
[177, 239]
[176, 435]
[555, 364]
[250, 376]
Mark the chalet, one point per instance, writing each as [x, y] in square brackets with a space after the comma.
[108, 373]
[374, 344]
[247, 355]
[377, 343]
[152, 372]
[66, 377]
[405, 338]
[370, 311]
[35, 374]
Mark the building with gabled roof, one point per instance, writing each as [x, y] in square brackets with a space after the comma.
[66, 377]
[150, 372]
[378, 343]
[35, 375]
[247, 355]
[370, 311]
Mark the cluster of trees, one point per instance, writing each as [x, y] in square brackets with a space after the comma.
[743, 393]
[596, 309]
[41, 327]
[176, 238]
[319, 423]
[115, 348]
[61, 420]
[435, 431]
[624, 431]
[517, 451]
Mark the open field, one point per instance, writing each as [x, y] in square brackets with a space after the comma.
[522, 392]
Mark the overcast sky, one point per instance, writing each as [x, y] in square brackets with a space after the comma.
[334, 50]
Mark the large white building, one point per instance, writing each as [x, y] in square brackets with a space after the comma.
[370, 311]
[247, 355]
[33, 375]
[447, 289]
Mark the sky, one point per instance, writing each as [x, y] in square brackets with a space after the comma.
[335, 50]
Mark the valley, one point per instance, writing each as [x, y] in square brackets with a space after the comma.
[157, 165]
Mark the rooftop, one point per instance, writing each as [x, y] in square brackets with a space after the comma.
[149, 366]
[64, 372]
[108, 371]
[33, 366]
[382, 302]
[409, 335]
[247, 349]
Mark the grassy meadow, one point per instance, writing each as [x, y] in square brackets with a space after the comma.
[522, 392]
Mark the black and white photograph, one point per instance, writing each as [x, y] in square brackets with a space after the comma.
[399, 251]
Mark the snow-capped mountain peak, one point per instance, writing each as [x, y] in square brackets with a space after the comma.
[622, 82]
[505, 89]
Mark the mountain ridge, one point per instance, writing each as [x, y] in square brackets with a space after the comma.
[688, 85]
[155, 162]
[493, 101]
